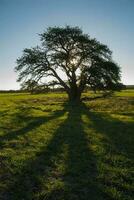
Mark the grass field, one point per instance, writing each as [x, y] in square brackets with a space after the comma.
[52, 150]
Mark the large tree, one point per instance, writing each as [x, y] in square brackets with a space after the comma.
[72, 60]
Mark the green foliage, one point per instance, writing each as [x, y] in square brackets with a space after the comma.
[104, 76]
[84, 61]
[53, 150]
[30, 86]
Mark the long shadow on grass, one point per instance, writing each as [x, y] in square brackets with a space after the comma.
[116, 139]
[67, 168]
[119, 133]
[64, 169]
[31, 123]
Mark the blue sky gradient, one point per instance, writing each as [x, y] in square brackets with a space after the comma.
[110, 21]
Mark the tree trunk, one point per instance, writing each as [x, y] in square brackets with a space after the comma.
[74, 95]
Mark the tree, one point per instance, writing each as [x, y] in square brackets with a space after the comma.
[30, 85]
[72, 59]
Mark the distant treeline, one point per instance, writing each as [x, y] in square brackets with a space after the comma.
[11, 91]
[52, 90]
[34, 91]
[129, 86]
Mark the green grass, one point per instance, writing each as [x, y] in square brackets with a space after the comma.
[129, 93]
[50, 150]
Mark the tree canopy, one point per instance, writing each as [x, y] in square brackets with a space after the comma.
[70, 59]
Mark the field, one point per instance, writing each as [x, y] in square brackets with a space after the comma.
[52, 150]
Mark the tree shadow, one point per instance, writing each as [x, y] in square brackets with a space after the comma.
[116, 138]
[67, 168]
[23, 115]
[64, 169]
[119, 133]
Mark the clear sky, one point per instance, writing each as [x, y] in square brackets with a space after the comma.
[110, 21]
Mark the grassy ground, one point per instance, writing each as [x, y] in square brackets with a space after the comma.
[50, 150]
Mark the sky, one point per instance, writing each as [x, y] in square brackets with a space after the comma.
[109, 21]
